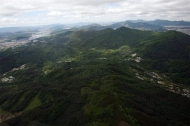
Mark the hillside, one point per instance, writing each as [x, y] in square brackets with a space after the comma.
[170, 53]
[116, 38]
[97, 78]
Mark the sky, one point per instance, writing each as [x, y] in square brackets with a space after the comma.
[42, 12]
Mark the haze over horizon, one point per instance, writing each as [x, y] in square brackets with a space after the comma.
[34, 12]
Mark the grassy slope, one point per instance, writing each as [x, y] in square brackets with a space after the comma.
[35, 102]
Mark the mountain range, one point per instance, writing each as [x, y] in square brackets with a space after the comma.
[157, 25]
[97, 75]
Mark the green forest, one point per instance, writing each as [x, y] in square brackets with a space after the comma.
[97, 78]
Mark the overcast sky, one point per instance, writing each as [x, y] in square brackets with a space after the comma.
[42, 12]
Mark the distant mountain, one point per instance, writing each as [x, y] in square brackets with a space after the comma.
[135, 21]
[168, 23]
[136, 25]
[93, 27]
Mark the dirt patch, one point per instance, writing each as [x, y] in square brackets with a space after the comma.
[123, 123]
[6, 116]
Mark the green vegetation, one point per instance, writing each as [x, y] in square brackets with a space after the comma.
[168, 53]
[91, 78]
[33, 104]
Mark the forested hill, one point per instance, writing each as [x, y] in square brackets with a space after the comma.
[117, 38]
[170, 45]
[107, 38]
[169, 52]
[97, 78]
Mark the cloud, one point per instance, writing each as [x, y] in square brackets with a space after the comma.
[96, 10]
[55, 13]
[18, 6]
[9, 20]
[84, 2]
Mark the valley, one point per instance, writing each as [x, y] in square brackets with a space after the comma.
[13, 40]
